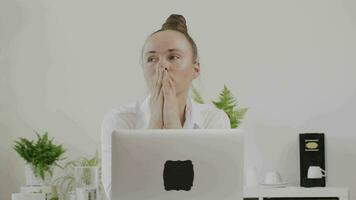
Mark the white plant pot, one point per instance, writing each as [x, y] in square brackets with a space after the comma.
[47, 190]
[32, 180]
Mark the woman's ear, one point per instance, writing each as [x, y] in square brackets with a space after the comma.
[196, 70]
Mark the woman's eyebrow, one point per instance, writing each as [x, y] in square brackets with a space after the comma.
[151, 52]
[169, 50]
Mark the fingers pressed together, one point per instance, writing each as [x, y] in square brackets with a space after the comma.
[167, 83]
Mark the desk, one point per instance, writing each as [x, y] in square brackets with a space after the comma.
[326, 193]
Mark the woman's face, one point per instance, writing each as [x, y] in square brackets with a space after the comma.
[171, 50]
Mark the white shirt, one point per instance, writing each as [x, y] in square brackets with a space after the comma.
[137, 115]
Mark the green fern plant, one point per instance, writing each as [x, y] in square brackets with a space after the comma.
[228, 103]
[41, 154]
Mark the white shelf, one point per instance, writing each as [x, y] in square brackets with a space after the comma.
[266, 192]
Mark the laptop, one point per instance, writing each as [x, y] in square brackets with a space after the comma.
[171, 164]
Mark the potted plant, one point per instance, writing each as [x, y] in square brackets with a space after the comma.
[41, 156]
[227, 103]
[66, 183]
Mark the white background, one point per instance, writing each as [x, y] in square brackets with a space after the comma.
[65, 63]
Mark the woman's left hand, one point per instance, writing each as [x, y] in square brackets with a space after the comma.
[170, 104]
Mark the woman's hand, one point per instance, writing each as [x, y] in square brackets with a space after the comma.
[156, 101]
[171, 118]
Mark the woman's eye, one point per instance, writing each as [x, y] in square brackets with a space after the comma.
[174, 57]
[151, 59]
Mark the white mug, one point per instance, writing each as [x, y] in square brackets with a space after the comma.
[316, 172]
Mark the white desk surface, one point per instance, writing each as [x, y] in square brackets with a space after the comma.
[293, 191]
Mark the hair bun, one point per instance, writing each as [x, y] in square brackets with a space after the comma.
[175, 22]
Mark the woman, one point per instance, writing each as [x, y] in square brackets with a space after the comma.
[170, 64]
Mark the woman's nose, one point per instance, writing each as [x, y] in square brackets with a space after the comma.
[163, 64]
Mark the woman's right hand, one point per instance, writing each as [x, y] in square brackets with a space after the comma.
[156, 101]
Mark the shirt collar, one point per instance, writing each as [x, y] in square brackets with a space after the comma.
[193, 119]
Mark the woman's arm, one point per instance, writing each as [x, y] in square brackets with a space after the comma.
[114, 120]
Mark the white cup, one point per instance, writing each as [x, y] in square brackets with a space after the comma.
[315, 172]
[273, 178]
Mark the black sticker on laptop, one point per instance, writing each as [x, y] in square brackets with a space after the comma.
[178, 175]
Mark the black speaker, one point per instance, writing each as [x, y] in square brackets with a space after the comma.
[312, 153]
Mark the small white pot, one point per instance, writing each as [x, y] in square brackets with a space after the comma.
[32, 180]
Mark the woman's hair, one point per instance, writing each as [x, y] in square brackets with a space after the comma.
[177, 23]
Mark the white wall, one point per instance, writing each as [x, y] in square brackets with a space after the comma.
[63, 64]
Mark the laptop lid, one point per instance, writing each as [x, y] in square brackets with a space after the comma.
[162, 164]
